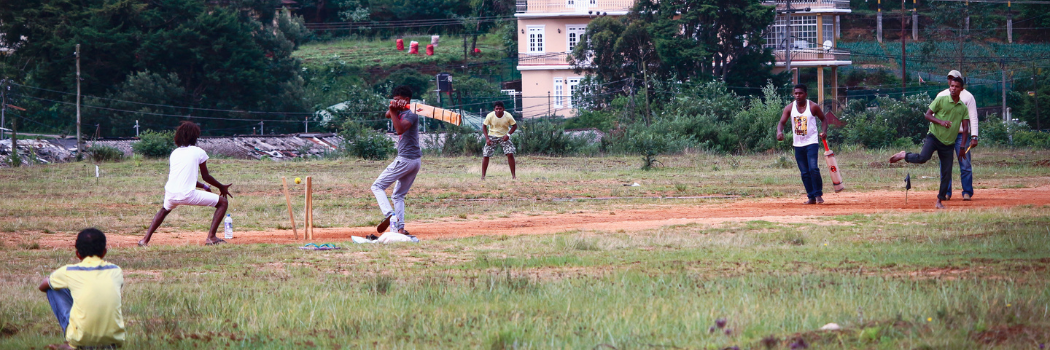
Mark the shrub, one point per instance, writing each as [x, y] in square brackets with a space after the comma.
[547, 138]
[154, 144]
[366, 143]
[101, 153]
[457, 141]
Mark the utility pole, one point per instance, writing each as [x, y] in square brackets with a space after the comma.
[904, 54]
[306, 125]
[914, 20]
[1009, 23]
[80, 143]
[1002, 69]
[136, 128]
[790, 43]
[262, 128]
[879, 23]
[3, 106]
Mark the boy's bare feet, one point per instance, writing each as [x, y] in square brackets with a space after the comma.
[939, 205]
[214, 241]
[898, 157]
[820, 200]
[143, 243]
[810, 201]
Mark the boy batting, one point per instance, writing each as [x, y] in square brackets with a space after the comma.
[803, 115]
[181, 188]
[404, 168]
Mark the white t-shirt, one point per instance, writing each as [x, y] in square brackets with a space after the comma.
[971, 106]
[803, 126]
[184, 163]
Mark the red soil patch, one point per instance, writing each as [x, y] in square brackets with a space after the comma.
[638, 218]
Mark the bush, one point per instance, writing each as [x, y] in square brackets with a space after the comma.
[100, 153]
[547, 138]
[1031, 138]
[154, 144]
[366, 143]
[458, 141]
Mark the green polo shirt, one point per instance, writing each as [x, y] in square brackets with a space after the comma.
[945, 109]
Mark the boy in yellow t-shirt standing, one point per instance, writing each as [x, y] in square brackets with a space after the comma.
[498, 127]
[85, 297]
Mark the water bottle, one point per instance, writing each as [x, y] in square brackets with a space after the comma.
[228, 227]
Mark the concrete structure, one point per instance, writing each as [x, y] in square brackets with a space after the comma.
[549, 29]
[814, 37]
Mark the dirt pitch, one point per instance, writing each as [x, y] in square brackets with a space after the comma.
[638, 218]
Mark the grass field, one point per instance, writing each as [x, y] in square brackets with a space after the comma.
[383, 53]
[957, 279]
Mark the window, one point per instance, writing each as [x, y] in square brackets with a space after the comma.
[536, 39]
[804, 29]
[559, 92]
[575, 34]
[573, 84]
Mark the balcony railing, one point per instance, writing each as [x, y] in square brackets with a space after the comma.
[812, 4]
[543, 59]
[593, 7]
[813, 55]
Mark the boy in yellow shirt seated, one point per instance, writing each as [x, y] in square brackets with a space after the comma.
[85, 297]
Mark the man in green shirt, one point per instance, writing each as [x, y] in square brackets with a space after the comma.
[946, 114]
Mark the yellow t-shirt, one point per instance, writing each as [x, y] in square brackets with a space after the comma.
[499, 126]
[95, 319]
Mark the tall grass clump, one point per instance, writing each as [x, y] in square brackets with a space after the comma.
[153, 144]
[100, 153]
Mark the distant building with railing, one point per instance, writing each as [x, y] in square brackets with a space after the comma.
[548, 30]
[814, 39]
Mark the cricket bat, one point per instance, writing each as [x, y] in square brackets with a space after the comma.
[437, 113]
[833, 166]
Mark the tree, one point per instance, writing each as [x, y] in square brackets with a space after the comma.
[224, 55]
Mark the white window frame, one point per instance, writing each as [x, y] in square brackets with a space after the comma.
[535, 39]
[576, 30]
[573, 82]
[559, 92]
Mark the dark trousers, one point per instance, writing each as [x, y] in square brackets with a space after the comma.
[806, 157]
[944, 154]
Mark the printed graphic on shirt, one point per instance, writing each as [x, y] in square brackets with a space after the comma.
[801, 125]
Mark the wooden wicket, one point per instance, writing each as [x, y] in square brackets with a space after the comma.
[288, 200]
[308, 230]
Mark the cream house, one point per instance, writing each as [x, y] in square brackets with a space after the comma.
[548, 30]
[814, 41]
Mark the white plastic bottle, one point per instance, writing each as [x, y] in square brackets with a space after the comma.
[229, 227]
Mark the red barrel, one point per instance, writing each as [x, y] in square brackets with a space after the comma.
[401, 44]
[430, 49]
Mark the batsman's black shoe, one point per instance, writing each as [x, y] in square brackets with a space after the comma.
[371, 237]
[384, 224]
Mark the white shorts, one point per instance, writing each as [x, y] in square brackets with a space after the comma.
[195, 197]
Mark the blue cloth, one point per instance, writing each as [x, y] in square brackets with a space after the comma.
[806, 157]
[965, 168]
[61, 301]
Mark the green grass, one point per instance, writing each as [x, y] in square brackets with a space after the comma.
[384, 54]
[944, 280]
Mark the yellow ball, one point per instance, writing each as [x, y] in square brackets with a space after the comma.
[298, 181]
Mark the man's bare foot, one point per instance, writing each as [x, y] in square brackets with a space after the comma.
[898, 157]
[810, 201]
[820, 200]
[939, 205]
[63, 346]
[143, 243]
[214, 241]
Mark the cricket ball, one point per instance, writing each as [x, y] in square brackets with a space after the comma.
[298, 181]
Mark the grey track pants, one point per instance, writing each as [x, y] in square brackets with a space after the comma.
[403, 171]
